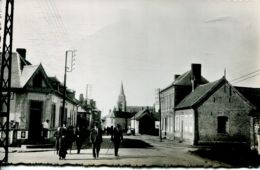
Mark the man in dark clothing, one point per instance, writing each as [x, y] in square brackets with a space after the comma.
[70, 137]
[78, 136]
[96, 140]
[63, 142]
[117, 138]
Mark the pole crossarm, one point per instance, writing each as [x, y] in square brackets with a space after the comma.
[5, 78]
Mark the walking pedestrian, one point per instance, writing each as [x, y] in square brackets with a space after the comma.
[70, 137]
[78, 136]
[63, 142]
[57, 136]
[117, 138]
[96, 140]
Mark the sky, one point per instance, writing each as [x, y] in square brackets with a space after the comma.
[141, 43]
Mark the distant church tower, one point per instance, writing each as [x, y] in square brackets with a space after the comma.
[121, 103]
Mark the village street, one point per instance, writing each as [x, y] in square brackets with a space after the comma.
[160, 154]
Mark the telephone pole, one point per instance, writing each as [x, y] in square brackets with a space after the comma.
[67, 69]
[160, 111]
[5, 78]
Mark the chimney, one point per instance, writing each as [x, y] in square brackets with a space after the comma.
[195, 75]
[81, 98]
[21, 52]
[176, 76]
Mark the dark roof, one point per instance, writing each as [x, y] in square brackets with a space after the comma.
[202, 92]
[136, 109]
[120, 114]
[54, 79]
[198, 94]
[185, 80]
[142, 113]
[251, 94]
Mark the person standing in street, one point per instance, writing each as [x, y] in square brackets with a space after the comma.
[63, 142]
[96, 140]
[78, 136]
[57, 136]
[117, 138]
[70, 137]
[45, 129]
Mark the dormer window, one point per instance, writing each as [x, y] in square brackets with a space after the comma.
[37, 81]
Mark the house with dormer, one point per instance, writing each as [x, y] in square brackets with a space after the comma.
[36, 97]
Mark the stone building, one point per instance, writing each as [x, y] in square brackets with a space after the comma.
[174, 93]
[215, 112]
[36, 98]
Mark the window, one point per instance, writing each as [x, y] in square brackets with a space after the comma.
[53, 112]
[222, 124]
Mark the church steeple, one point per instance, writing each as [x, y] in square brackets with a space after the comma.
[121, 103]
[122, 90]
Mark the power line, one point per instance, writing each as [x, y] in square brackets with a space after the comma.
[234, 80]
[247, 78]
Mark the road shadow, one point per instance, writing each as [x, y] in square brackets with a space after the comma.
[127, 143]
[237, 156]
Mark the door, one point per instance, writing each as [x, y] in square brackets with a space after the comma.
[35, 124]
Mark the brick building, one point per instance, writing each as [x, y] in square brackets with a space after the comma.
[215, 112]
[36, 98]
[174, 93]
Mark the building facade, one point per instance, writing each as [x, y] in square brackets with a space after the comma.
[35, 99]
[214, 113]
[174, 93]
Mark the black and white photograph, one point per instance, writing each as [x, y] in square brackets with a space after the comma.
[129, 83]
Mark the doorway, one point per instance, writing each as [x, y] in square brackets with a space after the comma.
[35, 124]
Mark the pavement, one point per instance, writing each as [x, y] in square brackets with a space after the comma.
[137, 151]
[152, 140]
[165, 153]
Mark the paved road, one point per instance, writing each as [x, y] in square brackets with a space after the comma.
[166, 153]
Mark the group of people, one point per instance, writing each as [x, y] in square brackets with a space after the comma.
[96, 139]
[66, 136]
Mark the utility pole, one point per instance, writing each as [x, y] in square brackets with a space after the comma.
[66, 69]
[5, 78]
[160, 115]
